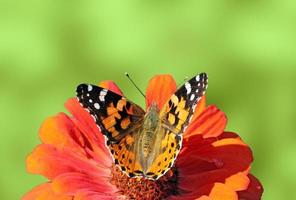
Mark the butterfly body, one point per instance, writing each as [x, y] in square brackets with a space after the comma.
[143, 144]
[150, 136]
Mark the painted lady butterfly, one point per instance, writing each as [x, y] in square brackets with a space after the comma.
[143, 144]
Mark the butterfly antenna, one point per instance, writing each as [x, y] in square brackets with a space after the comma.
[127, 75]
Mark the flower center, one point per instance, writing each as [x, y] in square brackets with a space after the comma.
[141, 188]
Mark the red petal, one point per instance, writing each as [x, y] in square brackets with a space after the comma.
[210, 123]
[159, 90]
[207, 161]
[254, 191]
[45, 192]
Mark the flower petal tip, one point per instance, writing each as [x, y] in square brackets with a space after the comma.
[160, 89]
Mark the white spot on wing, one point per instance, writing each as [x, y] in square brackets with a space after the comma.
[188, 87]
[197, 78]
[192, 97]
[97, 106]
[89, 88]
[90, 100]
[104, 91]
[102, 98]
[102, 95]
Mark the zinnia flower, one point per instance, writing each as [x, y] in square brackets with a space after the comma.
[212, 164]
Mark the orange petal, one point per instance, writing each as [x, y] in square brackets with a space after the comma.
[215, 191]
[221, 192]
[70, 183]
[79, 134]
[45, 192]
[228, 141]
[239, 181]
[110, 85]
[190, 196]
[60, 131]
[210, 123]
[50, 162]
[160, 89]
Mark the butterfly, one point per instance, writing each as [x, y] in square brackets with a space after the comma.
[143, 144]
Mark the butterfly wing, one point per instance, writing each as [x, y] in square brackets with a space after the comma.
[114, 114]
[118, 119]
[175, 117]
[165, 153]
[125, 155]
[179, 110]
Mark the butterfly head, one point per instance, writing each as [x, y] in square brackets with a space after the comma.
[152, 116]
[159, 89]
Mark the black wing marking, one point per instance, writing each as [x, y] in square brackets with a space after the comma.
[113, 113]
[180, 107]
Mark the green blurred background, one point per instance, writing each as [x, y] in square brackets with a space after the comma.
[248, 48]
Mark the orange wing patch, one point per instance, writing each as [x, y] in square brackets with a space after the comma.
[125, 157]
[176, 114]
[125, 123]
[170, 147]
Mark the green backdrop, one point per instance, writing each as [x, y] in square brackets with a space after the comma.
[248, 48]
